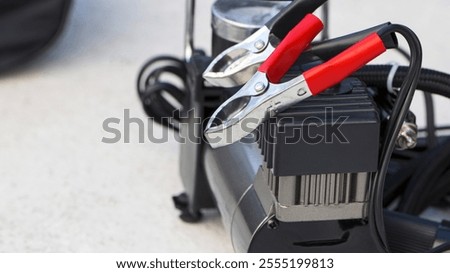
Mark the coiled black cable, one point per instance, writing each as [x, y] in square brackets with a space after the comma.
[162, 89]
[427, 177]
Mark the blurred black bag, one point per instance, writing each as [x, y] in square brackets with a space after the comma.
[27, 27]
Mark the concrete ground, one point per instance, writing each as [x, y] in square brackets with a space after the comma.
[63, 190]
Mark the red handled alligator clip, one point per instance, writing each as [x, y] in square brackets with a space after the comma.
[263, 96]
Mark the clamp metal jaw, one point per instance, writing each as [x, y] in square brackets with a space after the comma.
[246, 110]
[236, 65]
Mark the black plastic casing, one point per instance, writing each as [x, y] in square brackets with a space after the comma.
[337, 132]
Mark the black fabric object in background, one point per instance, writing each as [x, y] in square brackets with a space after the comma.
[28, 27]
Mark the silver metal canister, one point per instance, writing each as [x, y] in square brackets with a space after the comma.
[235, 20]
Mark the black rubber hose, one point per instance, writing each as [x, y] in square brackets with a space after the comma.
[424, 179]
[431, 127]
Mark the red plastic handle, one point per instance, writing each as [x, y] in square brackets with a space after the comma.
[287, 52]
[338, 68]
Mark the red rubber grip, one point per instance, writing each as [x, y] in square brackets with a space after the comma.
[350, 60]
[287, 52]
